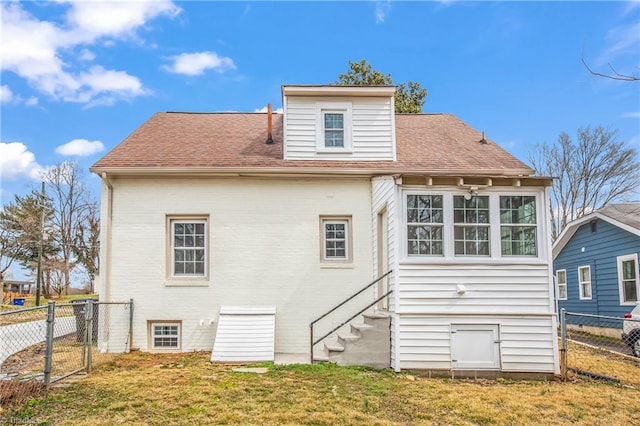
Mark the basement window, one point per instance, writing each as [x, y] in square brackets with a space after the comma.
[165, 336]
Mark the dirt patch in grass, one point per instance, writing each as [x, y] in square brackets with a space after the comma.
[142, 388]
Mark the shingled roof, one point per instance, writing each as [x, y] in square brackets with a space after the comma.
[426, 143]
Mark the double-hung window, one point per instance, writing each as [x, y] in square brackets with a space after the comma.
[584, 282]
[561, 282]
[188, 247]
[518, 225]
[333, 127]
[424, 224]
[336, 239]
[471, 225]
[628, 279]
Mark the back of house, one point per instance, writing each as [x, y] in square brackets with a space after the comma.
[240, 233]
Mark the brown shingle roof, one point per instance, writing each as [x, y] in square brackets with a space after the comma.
[426, 143]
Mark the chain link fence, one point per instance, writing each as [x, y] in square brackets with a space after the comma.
[593, 346]
[42, 345]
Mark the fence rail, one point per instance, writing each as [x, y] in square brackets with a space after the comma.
[42, 345]
[592, 346]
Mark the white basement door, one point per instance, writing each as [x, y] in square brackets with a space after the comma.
[245, 333]
[475, 346]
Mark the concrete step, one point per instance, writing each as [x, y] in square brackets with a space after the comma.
[333, 346]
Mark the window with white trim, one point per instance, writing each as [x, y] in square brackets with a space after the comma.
[561, 282]
[165, 335]
[334, 127]
[188, 247]
[424, 224]
[584, 282]
[336, 239]
[518, 225]
[471, 225]
[628, 279]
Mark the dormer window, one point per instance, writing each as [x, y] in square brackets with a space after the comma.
[333, 127]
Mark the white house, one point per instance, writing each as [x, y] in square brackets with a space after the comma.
[232, 232]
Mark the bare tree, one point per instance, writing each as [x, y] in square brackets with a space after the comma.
[87, 246]
[72, 203]
[592, 171]
[613, 74]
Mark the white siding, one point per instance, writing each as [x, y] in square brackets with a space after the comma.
[372, 129]
[526, 342]
[264, 249]
[492, 288]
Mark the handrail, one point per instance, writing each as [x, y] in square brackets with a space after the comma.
[341, 304]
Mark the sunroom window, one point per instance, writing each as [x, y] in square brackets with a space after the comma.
[424, 224]
[518, 225]
[471, 225]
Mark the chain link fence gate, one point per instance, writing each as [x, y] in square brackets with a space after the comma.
[42, 345]
[592, 346]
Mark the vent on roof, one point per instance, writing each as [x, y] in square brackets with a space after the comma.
[269, 126]
[483, 140]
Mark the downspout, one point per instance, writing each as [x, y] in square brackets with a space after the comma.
[106, 243]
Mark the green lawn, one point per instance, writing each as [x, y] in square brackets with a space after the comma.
[142, 388]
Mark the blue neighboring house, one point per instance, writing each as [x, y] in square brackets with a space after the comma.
[595, 262]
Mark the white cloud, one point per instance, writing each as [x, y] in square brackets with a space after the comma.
[17, 161]
[6, 95]
[42, 52]
[635, 114]
[197, 63]
[80, 148]
[265, 108]
[86, 55]
[623, 42]
[382, 10]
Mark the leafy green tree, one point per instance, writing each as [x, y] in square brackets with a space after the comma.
[22, 229]
[410, 97]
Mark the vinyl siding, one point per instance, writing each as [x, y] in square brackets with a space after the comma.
[264, 249]
[526, 343]
[601, 249]
[372, 129]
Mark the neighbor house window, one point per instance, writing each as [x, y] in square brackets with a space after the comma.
[471, 225]
[188, 247]
[628, 279]
[584, 282]
[518, 225]
[561, 282]
[336, 238]
[334, 127]
[165, 335]
[424, 224]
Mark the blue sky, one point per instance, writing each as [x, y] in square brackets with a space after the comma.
[78, 77]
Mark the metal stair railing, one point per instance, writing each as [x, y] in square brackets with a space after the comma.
[315, 342]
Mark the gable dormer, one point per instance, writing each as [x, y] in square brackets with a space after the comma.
[355, 123]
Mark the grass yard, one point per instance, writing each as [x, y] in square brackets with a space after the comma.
[142, 388]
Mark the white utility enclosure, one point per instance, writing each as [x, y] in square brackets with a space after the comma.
[245, 333]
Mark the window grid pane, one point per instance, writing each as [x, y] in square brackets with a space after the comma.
[561, 278]
[189, 248]
[471, 240]
[424, 224]
[518, 225]
[165, 336]
[335, 240]
[333, 130]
